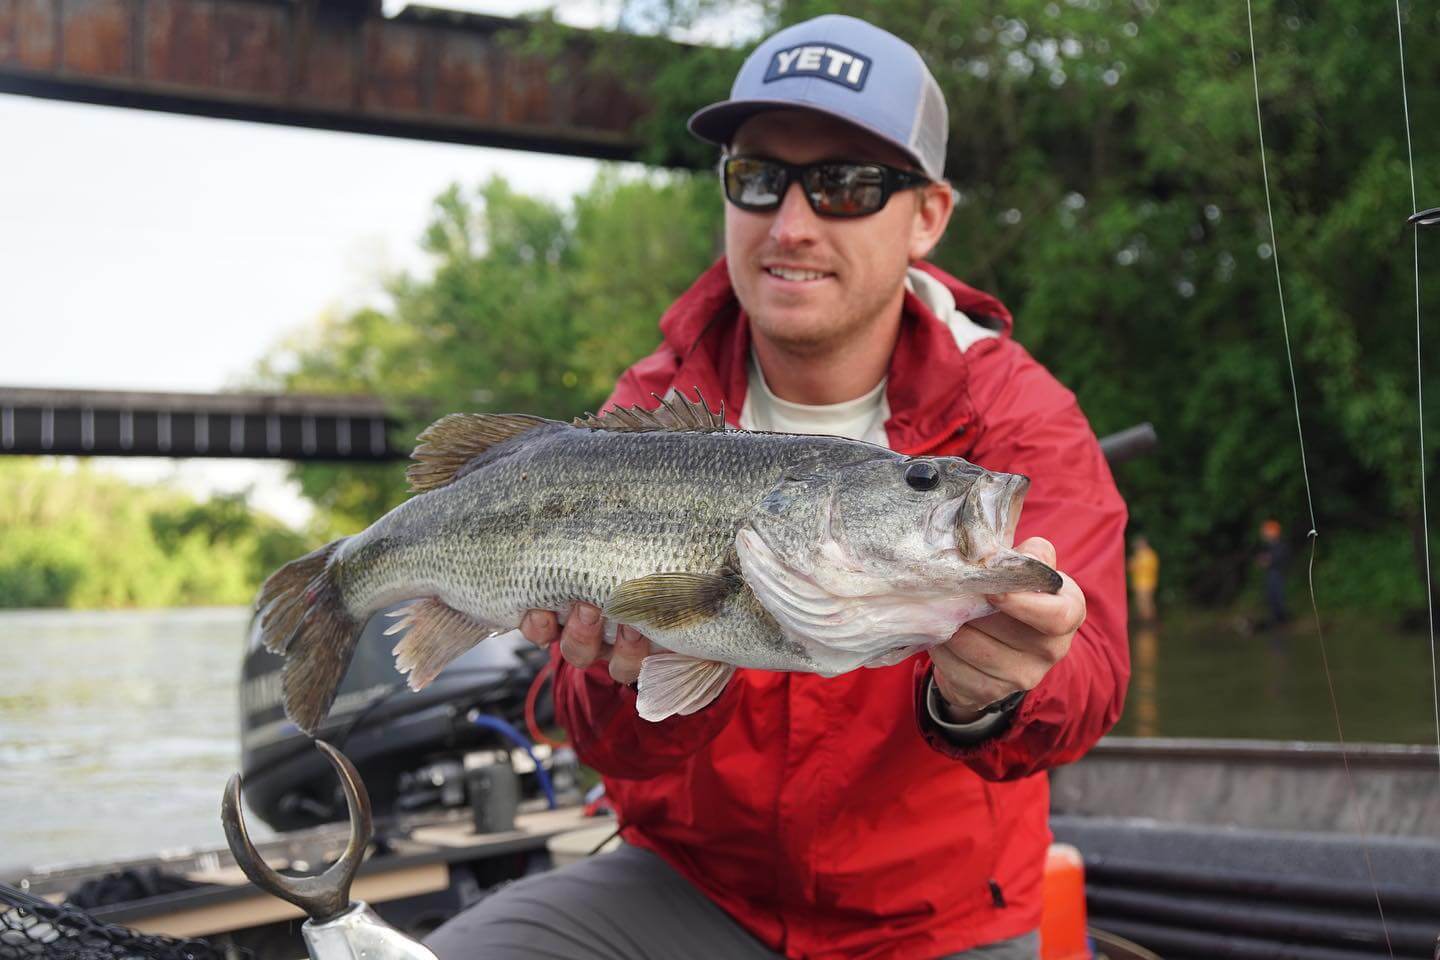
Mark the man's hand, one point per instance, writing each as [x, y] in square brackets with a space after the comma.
[582, 641]
[1012, 649]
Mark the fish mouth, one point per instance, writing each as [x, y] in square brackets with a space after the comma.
[979, 528]
[985, 517]
[997, 503]
[1007, 503]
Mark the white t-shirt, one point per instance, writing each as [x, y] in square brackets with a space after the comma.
[862, 418]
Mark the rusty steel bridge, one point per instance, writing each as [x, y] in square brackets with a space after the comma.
[425, 73]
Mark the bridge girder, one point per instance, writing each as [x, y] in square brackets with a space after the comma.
[226, 425]
[333, 64]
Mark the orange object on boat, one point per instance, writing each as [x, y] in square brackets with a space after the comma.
[1062, 921]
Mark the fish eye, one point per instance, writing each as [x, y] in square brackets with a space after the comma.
[922, 475]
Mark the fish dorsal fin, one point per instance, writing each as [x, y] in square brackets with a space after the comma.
[672, 683]
[676, 412]
[670, 600]
[454, 440]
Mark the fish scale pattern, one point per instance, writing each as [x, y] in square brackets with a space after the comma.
[564, 513]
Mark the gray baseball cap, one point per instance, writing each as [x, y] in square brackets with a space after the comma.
[846, 68]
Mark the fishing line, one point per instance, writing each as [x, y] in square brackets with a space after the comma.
[1419, 383]
[1309, 500]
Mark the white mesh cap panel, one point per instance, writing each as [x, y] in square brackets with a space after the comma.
[932, 129]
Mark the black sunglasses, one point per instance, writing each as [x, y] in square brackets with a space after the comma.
[834, 188]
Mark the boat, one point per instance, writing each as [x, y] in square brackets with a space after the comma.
[1258, 849]
[1192, 849]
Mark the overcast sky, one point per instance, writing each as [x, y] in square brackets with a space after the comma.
[152, 251]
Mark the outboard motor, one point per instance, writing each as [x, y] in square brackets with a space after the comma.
[410, 747]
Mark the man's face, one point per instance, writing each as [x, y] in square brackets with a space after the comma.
[806, 281]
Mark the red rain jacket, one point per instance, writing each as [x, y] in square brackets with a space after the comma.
[828, 816]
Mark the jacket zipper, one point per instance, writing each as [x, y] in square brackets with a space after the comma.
[997, 893]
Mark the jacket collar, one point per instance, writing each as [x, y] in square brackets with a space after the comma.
[928, 380]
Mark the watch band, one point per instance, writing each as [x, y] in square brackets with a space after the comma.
[1004, 704]
[995, 719]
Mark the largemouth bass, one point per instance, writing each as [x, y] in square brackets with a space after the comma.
[725, 547]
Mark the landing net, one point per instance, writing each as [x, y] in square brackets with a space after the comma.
[34, 929]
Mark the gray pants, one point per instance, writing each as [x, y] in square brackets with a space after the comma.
[625, 905]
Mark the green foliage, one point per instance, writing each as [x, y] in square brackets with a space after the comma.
[78, 538]
[39, 568]
[531, 308]
[637, 245]
[1360, 570]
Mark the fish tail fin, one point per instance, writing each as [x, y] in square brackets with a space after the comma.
[303, 619]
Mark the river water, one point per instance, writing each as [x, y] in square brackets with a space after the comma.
[118, 730]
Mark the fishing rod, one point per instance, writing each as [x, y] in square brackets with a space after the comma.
[1422, 218]
[1314, 533]
[1419, 219]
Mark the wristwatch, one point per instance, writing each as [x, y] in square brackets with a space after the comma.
[993, 719]
[1004, 704]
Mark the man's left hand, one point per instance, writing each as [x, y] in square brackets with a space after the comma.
[1013, 648]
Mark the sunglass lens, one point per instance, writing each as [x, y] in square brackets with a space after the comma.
[846, 189]
[753, 184]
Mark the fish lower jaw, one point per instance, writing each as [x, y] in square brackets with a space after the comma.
[830, 662]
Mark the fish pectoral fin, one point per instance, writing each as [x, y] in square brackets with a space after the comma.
[672, 683]
[435, 634]
[670, 600]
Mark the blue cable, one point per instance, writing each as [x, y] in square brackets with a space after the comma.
[521, 741]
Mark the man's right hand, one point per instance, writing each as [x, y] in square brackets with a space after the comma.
[582, 640]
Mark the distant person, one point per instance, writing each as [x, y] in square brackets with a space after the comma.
[1274, 559]
[1144, 567]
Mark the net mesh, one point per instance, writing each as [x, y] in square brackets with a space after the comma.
[34, 929]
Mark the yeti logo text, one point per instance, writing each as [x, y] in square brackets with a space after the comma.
[836, 64]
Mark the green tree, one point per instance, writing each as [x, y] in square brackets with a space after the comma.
[81, 538]
[637, 245]
[530, 308]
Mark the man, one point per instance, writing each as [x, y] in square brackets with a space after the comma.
[1274, 559]
[1144, 567]
[896, 812]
